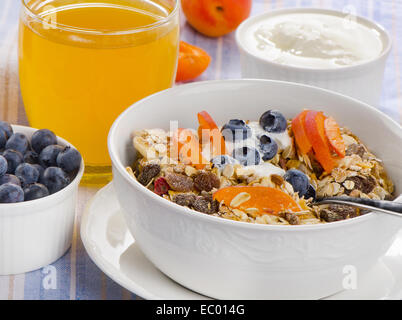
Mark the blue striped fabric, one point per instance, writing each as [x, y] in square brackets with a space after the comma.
[77, 276]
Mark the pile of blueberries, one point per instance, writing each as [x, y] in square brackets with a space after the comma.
[272, 121]
[34, 169]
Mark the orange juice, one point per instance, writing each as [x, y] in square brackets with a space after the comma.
[83, 62]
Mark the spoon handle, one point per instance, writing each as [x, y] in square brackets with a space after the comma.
[390, 207]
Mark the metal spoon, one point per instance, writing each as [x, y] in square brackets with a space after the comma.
[390, 207]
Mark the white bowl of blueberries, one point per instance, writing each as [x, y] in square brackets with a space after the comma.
[39, 178]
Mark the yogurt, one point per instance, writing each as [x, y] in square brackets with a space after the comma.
[282, 139]
[313, 40]
[263, 169]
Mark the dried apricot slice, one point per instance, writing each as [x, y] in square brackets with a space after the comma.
[193, 61]
[333, 133]
[209, 131]
[265, 200]
[314, 126]
[300, 134]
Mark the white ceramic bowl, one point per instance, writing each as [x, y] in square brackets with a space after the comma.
[235, 260]
[362, 81]
[36, 233]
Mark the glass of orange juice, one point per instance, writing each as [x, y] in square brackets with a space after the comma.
[81, 63]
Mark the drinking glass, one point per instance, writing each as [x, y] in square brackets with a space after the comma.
[81, 63]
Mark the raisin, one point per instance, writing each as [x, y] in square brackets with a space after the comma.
[355, 149]
[179, 182]
[317, 168]
[149, 172]
[337, 212]
[206, 181]
[291, 218]
[161, 187]
[206, 204]
[214, 206]
[329, 216]
[345, 211]
[363, 184]
[206, 195]
[283, 164]
[185, 199]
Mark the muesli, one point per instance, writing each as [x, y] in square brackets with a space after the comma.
[267, 171]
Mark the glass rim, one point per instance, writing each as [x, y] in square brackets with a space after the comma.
[89, 31]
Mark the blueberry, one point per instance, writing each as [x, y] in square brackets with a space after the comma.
[3, 166]
[310, 193]
[18, 142]
[298, 180]
[11, 193]
[27, 173]
[247, 156]
[221, 161]
[31, 157]
[48, 156]
[236, 130]
[14, 159]
[10, 178]
[3, 138]
[6, 127]
[268, 147]
[40, 169]
[35, 191]
[273, 121]
[55, 179]
[41, 139]
[69, 159]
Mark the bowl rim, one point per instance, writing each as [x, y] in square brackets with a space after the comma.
[118, 165]
[356, 67]
[42, 201]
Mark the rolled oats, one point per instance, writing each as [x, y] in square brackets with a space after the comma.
[190, 171]
[349, 185]
[228, 171]
[130, 172]
[289, 152]
[244, 172]
[358, 174]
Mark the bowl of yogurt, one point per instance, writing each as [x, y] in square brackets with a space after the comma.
[318, 47]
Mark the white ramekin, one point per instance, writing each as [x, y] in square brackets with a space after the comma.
[36, 233]
[228, 259]
[362, 81]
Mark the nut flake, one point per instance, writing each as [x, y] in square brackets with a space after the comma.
[239, 199]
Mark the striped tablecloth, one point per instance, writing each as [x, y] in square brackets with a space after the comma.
[77, 276]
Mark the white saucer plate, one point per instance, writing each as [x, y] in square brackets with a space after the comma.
[111, 246]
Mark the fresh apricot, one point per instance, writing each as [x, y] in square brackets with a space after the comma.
[208, 131]
[215, 18]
